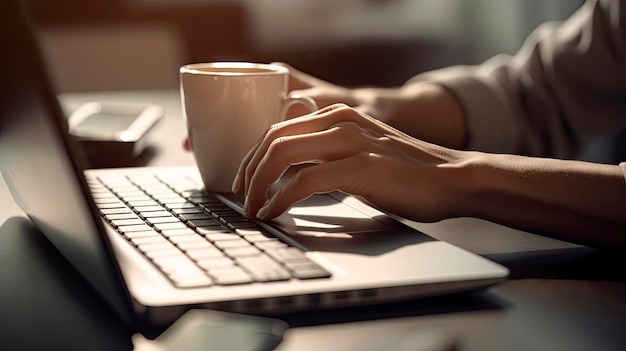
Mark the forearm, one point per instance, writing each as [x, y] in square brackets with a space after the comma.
[575, 201]
[422, 110]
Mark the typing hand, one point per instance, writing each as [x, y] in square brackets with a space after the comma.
[349, 151]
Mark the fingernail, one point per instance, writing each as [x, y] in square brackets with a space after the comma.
[246, 207]
[262, 212]
[235, 186]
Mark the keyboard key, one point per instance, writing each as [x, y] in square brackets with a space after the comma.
[154, 254]
[182, 211]
[152, 239]
[242, 251]
[107, 211]
[141, 234]
[179, 239]
[194, 216]
[177, 206]
[191, 245]
[118, 204]
[183, 271]
[142, 203]
[267, 243]
[153, 214]
[126, 215]
[256, 235]
[284, 253]
[152, 247]
[171, 201]
[105, 200]
[228, 244]
[218, 229]
[221, 236]
[138, 197]
[307, 270]
[242, 223]
[262, 268]
[202, 253]
[202, 223]
[128, 193]
[176, 264]
[215, 263]
[177, 232]
[166, 226]
[142, 209]
[127, 222]
[159, 220]
[230, 276]
[192, 280]
[134, 228]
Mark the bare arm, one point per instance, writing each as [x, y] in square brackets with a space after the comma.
[576, 201]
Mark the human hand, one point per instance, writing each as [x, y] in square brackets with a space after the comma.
[423, 110]
[324, 93]
[349, 151]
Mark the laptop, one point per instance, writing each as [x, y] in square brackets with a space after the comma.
[144, 237]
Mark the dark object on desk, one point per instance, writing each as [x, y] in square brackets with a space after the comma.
[113, 134]
[204, 329]
[44, 303]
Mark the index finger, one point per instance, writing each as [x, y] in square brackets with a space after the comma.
[299, 80]
[253, 157]
[306, 124]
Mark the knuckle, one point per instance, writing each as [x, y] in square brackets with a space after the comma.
[367, 159]
[347, 130]
[339, 106]
[277, 145]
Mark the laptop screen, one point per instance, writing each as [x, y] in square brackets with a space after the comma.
[39, 164]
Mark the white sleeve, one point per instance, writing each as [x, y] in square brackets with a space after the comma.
[562, 90]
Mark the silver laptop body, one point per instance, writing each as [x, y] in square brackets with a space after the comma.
[370, 257]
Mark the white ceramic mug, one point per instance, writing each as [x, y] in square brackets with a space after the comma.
[227, 107]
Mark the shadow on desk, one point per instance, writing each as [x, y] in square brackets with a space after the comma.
[480, 301]
[580, 263]
[44, 303]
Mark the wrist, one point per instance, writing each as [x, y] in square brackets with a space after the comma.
[425, 111]
[565, 198]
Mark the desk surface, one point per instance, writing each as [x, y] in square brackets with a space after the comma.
[560, 296]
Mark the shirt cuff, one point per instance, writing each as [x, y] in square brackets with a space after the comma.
[623, 165]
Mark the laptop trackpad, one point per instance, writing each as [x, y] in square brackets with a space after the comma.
[339, 223]
[325, 216]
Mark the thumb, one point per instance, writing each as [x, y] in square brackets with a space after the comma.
[299, 80]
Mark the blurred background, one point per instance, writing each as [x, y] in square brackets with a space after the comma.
[94, 45]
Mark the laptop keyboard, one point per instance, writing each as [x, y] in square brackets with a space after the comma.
[192, 237]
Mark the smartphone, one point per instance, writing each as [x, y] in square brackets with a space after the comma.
[108, 130]
[198, 330]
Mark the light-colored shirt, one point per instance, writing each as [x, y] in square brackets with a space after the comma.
[565, 87]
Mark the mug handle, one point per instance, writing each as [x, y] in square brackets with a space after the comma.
[295, 98]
